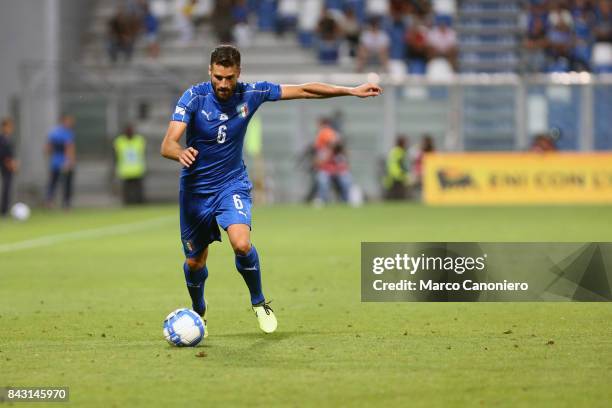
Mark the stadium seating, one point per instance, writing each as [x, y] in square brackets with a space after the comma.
[490, 41]
[489, 34]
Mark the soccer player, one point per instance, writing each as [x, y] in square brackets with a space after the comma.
[214, 184]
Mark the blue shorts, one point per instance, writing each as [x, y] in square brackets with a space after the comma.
[202, 214]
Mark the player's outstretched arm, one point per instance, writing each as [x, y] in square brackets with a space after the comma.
[317, 90]
[172, 149]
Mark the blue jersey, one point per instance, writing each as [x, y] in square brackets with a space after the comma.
[216, 130]
[59, 138]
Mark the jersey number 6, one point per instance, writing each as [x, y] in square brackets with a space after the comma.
[221, 134]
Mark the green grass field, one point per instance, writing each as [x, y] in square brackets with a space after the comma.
[83, 296]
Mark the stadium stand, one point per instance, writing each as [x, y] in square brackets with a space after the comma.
[280, 39]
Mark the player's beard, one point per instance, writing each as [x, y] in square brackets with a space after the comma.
[225, 95]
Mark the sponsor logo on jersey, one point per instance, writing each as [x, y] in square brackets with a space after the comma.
[207, 114]
[243, 109]
[179, 111]
[223, 116]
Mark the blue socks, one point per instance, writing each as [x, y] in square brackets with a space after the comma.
[248, 266]
[195, 285]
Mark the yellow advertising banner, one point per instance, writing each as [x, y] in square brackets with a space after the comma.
[517, 178]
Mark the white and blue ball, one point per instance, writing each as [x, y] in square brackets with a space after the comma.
[184, 328]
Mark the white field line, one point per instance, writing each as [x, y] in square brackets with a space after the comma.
[117, 229]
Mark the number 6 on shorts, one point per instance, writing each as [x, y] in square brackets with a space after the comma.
[237, 203]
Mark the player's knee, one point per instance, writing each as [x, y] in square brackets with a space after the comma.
[241, 246]
[195, 263]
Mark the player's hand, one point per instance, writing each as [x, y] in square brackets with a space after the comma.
[188, 156]
[366, 90]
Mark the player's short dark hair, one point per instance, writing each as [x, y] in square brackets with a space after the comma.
[6, 121]
[226, 56]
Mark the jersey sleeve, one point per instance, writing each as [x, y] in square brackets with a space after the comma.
[267, 91]
[185, 107]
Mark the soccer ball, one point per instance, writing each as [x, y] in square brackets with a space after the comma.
[184, 328]
[20, 211]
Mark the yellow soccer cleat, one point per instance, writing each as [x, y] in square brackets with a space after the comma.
[265, 317]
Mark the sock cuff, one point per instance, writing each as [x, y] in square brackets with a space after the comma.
[186, 268]
[249, 254]
[196, 276]
[249, 259]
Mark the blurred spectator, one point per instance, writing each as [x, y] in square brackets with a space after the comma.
[442, 41]
[543, 142]
[130, 165]
[122, 30]
[603, 21]
[377, 8]
[538, 11]
[223, 21]
[185, 21]
[584, 19]
[351, 30]
[151, 29]
[8, 164]
[422, 7]
[241, 32]
[396, 29]
[397, 171]
[240, 12]
[535, 46]
[287, 16]
[326, 136]
[398, 8]
[559, 14]
[560, 34]
[330, 164]
[333, 168]
[329, 38]
[566, 32]
[266, 14]
[373, 46]
[560, 37]
[427, 146]
[60, 150]
[416, 47]
[308, 19]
